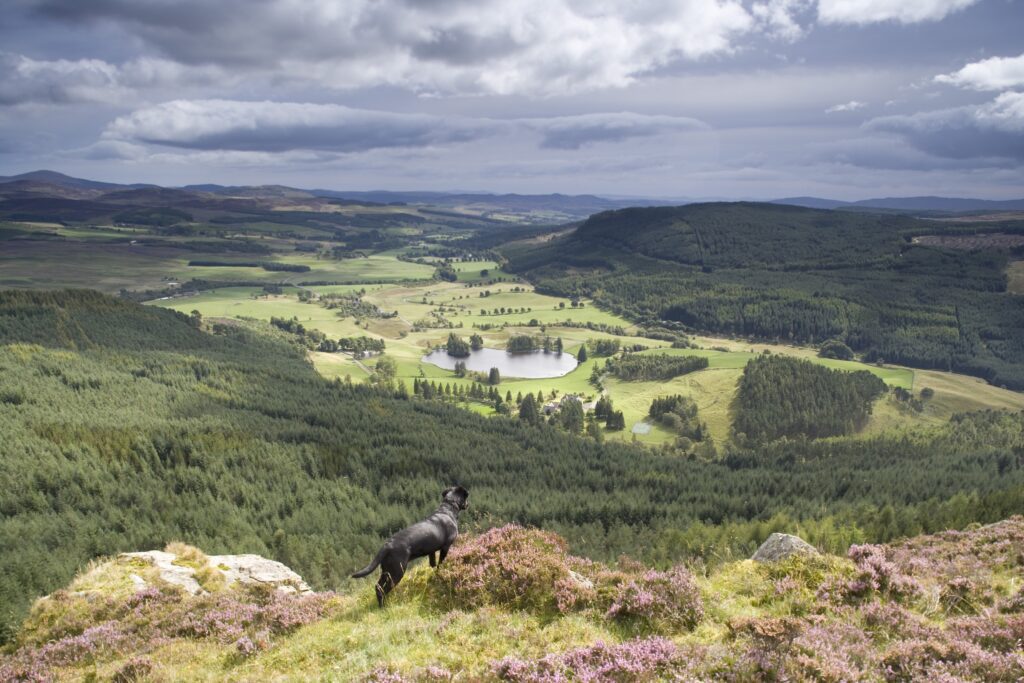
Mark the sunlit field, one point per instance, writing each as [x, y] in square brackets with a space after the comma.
[472, 306]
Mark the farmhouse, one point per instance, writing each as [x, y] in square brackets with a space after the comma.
[554, 406]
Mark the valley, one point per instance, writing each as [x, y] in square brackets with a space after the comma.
[412, 312]
[512, 342]
[712, 389]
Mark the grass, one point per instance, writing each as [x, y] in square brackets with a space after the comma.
[102, 258]
[252, 302]
[713, 389]
[408, 636]
[107, 267]
[343, 289]
[1015, 278]
[417, 637]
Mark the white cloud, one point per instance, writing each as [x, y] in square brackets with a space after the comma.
[852, 105]
[779, 17]
[65, 81]
[530, 47]
[1006, 113]
[874, 11]
[278, 127]
[996, 73]
[283, 126]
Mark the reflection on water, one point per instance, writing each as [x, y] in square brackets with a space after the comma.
[529, 365]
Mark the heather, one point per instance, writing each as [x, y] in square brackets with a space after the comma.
[514, 604]
[518, 568]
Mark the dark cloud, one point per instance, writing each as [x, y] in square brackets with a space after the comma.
[881, 151]
[462, 46]
[995, 129]
[574, 132]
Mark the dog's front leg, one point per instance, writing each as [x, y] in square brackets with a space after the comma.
[444, 554]
[433, 559]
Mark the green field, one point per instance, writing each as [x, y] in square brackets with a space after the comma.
[460, 302]
[96, 265]
[496, 305]
[105, 259]
[383, 267]
[1015, 278]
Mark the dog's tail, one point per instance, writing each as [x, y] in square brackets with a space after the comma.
[370, 567]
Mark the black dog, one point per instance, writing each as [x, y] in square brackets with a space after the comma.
[436, 532]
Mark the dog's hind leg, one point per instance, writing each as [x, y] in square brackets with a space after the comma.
[391, 573]
[444, 554]
[433, 559]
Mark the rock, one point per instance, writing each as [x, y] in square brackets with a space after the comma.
[780, 546]
[244, 569]
[580, 580]
[256, 569]
[175, 574]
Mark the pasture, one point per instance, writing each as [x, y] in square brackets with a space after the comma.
[409, 336]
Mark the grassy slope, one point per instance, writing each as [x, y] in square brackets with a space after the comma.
[746, 607]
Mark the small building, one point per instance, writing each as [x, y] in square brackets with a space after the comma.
[554, 406]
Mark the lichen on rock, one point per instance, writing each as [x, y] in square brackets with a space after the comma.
[195, 574]
[780, 546]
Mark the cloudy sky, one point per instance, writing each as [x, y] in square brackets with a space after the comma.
[669, 98]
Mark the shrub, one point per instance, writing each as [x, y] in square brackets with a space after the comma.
[834, 653]
[657, 601]
[636, 660]
[1014, 604]
[135, 669]
[876, 574]
[836, 349]
[247, 618]
[508, 566]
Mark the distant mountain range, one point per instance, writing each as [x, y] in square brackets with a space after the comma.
[911, 204]
[560, 206]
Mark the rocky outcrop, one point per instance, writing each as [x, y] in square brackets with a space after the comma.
[243, 569]
[247, 569]
[780, 546]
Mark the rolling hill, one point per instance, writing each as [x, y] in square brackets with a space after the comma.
[795, 274]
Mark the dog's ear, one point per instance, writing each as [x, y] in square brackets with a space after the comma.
[444, 494]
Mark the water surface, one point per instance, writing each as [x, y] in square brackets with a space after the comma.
[531, 365]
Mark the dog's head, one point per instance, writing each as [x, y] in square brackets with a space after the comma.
[457, 496]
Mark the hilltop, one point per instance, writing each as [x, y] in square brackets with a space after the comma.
[512, 604]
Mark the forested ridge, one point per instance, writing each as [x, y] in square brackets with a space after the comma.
[795, 274]
[125, 427]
